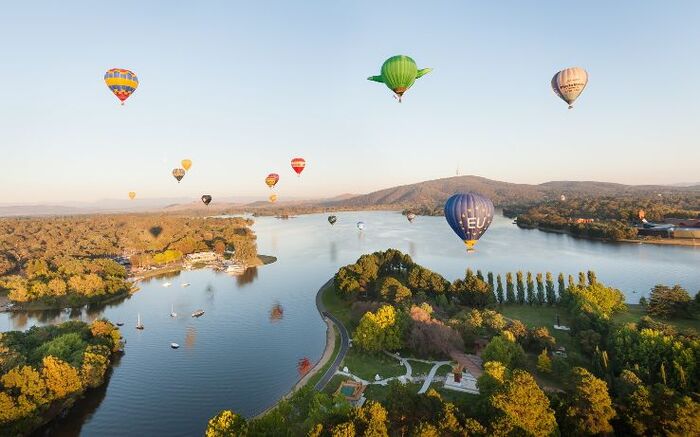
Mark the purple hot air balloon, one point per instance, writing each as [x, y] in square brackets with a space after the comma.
[469, 215]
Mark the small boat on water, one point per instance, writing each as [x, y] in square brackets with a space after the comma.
[139, 325]
[174, 345]
[198, 313]
[185, 284]
[120, 323]
[172, 311]
[167, 284]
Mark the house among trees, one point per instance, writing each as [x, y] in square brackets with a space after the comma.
[201, 257]
[352, 391]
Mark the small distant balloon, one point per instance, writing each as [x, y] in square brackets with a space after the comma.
[178, 173]
[469, 215]
[121, 82]
[361, 225]
[206, 199]
[569, 83]
[186, 164]
[562, 198]
[272, 198]
[272, 179]
[641, 214]
[132, 195]
[399, 73]
[298, 165]
[332, 219]
[410, 216]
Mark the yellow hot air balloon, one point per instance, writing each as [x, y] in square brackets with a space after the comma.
[132, 195]
[186, 164]
[272, 198]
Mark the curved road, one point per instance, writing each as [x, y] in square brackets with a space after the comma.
[344, 339]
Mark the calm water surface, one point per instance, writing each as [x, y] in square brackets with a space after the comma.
[237, 356]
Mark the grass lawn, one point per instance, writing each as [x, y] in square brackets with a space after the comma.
[337, 306]
[420, 368]
[367, 365]
[636, 312]
[379, 393]
[333, 384]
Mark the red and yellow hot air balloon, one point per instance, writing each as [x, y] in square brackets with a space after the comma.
[122, 82]
[298, 164]
[272, 179]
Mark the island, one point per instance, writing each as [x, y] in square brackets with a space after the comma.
[44, 370]
[529, 353]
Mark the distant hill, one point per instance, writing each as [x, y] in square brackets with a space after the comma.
[437, 191]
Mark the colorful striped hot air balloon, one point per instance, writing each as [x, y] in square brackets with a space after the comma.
[186, 164]
[132, 195]
[178, 173]
[399, 73]
[569, 83]
[469, 215]
[122, 82]
[272, 179]
[298, 164]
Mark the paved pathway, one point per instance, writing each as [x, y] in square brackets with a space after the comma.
[431, 375]
[344, 339]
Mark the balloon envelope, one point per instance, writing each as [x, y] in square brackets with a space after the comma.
[272, 179]
[298, 164]
[332, 219]
[469, 215]
[411, 216]
[121, 82]
[178, 173]
[272, 198]
[399, 73]
[569, 83]
[206, 199]
[132, 195]
[186, 164]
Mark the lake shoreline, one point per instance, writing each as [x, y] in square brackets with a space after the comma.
[657, 241]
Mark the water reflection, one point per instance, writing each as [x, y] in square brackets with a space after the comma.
[276, 313]
[412, 249]
[250, 274]
[190, 336]
[334, 251]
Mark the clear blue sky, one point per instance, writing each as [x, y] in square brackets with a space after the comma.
[242, 88]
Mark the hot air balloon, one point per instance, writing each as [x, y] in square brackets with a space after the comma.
[186, 164]
[272, 198]
[332, 219]
[206, 199]
[132, 195]
[410, 216]
[399, 73]
[641, 214]
[361, 225]
[569, 83]
[298, 164]
[178, 173]
[469, 215]
[272, 179]
[122, 82]
[562, 198]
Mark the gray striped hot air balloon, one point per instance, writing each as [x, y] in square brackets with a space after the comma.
[569, 83]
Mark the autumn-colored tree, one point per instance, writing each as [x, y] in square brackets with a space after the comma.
[95, 362]
[226, 424]
[589, 408]
[551, 295]
[544, 363]
[520, 285]
[531, 298]
[61, 378]
[380, 330]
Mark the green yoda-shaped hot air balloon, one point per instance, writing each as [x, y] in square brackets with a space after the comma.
[398, 73]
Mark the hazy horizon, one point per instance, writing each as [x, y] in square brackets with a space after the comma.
[241, 88]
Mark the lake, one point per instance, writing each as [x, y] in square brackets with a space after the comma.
[243, 353]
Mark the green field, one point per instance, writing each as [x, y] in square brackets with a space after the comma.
[636, 312]
[367, 365]
[337, 306]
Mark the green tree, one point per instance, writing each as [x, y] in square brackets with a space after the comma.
[589, 408]
[562, 287]
[551, 294]
[392, 290]
[521, 408]
[510, 294]
[499, 290]
[544, 363]
[669, 302]
[592, 279]
[505, 351]
[472, 291]
[530, 289]
[597, 300]
[540, 290]
[520, 285]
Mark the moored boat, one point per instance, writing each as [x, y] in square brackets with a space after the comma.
[167, 284]
[139, 325]
[174, 345]
[198, 313]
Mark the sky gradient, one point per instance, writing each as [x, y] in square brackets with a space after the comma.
[243, 87]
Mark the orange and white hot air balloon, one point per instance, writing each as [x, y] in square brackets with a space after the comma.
[569, 83]
[272, 179]
[132, 195]
[298, 165]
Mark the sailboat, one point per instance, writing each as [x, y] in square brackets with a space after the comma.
[139, 325]
[172, 311]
